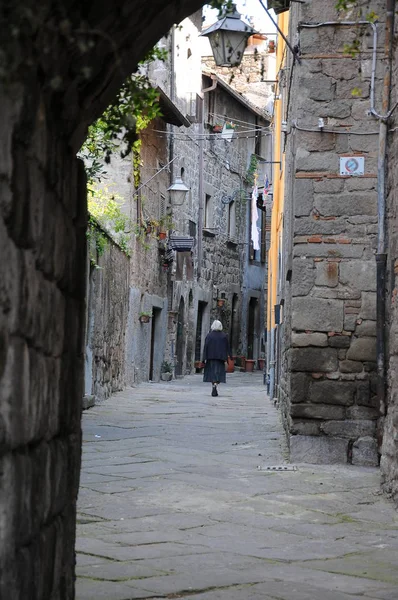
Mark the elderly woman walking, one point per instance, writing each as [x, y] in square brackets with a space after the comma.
[215, 354]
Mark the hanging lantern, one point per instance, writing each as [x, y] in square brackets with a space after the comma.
[228, 38]
[178, 191]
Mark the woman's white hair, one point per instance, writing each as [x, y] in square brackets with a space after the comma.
[216, 326]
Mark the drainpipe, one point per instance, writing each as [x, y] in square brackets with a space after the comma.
[381, 256]
[172, 94]
[201, 172]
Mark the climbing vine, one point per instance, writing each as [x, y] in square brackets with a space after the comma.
[252, 169]
[118, 128]
[117, 131]
[106, 221]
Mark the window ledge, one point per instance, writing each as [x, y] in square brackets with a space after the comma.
[208, 233]
[232, 242]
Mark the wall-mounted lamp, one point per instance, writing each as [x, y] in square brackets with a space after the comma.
[178, 191]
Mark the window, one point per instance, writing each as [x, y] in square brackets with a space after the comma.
[257, 149]
[192, 228]
[208, 212]
[231, 220]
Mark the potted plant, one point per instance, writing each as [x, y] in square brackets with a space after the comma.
[249, 365]
[166, 371]
[217, 128]
[228, 130]
[261, 362]
[165, 223]
[145, 316]
[220, 302]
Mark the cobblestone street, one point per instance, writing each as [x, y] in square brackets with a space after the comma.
[176, 502]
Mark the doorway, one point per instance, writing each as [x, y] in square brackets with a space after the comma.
[155, 332]
[251, 329]
[180, 345]
[234, 331]
[199, 331]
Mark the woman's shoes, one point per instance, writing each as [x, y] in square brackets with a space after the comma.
[214, 390]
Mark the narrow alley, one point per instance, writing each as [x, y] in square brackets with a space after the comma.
[176, 502]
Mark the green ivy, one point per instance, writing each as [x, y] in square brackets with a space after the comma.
[106, 221]
[118, 128]
[252, 170]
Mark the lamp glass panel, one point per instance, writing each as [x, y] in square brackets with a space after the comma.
[228, 47]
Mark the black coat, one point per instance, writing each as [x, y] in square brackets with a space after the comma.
[216, 346]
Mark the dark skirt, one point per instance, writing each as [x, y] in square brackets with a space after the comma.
[214, 371]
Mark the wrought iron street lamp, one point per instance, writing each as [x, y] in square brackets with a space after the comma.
[228, 38]
[178, 191]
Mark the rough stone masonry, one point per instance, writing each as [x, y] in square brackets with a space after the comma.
[328, 383]
[60, 65]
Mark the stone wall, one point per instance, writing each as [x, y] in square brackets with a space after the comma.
[108, 301]
[57, 74]
[42, 286]
[330, 372]
[389, 460]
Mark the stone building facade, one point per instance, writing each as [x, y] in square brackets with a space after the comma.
[327, 363]
[182, 287]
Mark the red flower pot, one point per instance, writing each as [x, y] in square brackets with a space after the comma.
[230, 366]
[249, 365]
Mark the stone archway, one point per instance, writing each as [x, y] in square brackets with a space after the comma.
[60, 65]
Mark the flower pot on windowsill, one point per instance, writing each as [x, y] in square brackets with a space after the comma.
[217, 128]
[162, 235]
[249, 365]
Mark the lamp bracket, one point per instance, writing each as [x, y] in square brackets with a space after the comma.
[228, 199]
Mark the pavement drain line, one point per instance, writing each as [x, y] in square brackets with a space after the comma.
[278, 468]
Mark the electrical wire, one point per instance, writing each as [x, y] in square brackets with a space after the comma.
[295, 125]
[218, 115]
[207, 137]
[202, 136]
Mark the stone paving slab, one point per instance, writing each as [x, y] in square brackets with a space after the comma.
[172, 504]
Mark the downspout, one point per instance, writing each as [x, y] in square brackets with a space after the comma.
[172, 94]
[381, 256]
[201, 173]
[170, 298]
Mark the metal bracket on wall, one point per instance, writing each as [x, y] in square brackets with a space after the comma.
[228, 199]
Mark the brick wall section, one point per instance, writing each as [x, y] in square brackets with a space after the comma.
[330, 371]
